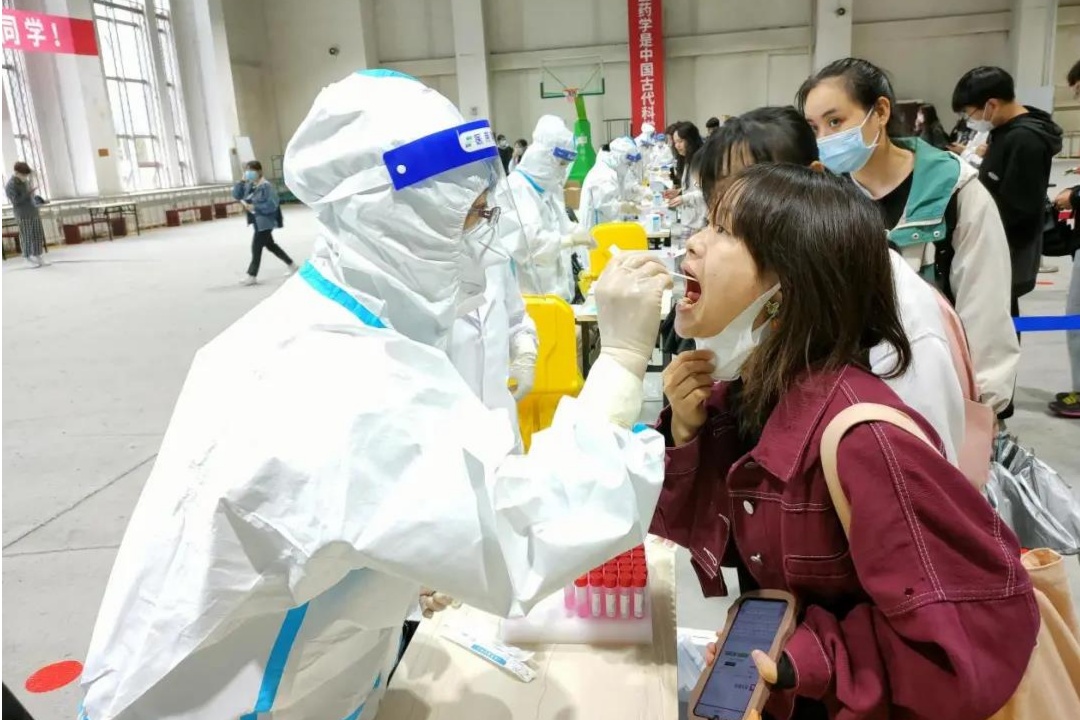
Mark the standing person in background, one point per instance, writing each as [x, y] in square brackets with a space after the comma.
[506, 153]
[260, 199]
[1067, 404]
[936, 213]
[711, 126]
[929, 128]
[20, 193]
[520, 146]
[1016, 167]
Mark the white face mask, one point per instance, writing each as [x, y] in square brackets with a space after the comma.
[479, 254]
[980, 126]
[735, 342]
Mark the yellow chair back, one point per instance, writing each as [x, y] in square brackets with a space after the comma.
[557, 370]
[623, 235]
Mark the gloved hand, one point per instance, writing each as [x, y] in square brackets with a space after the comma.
[579, 238]
[522, 366]
[432, 602]
[628, 297]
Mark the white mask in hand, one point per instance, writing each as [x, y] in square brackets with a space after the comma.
[734, 343]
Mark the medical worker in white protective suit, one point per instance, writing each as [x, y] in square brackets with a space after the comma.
[609, 191]
[547, 232]
[325, 460]
[497, 343]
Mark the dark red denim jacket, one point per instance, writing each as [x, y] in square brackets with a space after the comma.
[925, 613]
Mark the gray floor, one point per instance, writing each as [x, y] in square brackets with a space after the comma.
[95, 349]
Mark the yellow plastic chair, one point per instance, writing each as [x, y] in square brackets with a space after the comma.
[623, 235]
[557, 372]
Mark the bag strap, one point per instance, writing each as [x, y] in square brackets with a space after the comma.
[834, 433]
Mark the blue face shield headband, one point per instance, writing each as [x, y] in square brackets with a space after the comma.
[440, 152]
[563, 154]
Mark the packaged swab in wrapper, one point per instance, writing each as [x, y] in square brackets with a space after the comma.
[511, 659]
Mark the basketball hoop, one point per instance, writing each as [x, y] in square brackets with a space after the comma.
[570, 94]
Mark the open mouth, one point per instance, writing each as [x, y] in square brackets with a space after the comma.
[693, 290]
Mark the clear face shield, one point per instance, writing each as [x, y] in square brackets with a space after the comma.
[467, 155]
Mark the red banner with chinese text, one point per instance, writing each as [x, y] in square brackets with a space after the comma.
[646, 63]
[38, 32]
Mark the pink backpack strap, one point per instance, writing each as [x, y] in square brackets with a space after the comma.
[958, 346]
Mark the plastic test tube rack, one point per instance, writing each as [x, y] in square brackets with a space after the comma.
[608, 605]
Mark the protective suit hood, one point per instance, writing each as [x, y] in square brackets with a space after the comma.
[391, 209]
[547, 160]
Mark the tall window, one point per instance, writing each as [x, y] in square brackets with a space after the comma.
[144, 93]
[163, 14]
[20, 113]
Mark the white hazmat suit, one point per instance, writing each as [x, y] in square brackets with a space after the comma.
[325, 460]
[497, 343]
[546, 231]
[609, 190]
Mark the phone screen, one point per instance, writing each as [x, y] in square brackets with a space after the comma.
[734, 676]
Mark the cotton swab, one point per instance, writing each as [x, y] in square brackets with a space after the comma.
[616, 250]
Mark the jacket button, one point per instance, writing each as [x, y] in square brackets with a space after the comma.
[756, 558]
[748, 507]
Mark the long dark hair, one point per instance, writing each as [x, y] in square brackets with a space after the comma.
[689, 134]
[767, 134]
[822, 237]
[865, 83]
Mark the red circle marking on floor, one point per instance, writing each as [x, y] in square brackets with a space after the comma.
[55, 676]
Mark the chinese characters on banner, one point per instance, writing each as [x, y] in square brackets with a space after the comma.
[646, 63]
[37, 32]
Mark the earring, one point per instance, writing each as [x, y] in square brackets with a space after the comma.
[772, 308]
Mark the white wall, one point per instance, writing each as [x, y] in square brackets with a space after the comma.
[253, 77]
[723, 56]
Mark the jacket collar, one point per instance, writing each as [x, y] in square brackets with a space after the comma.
[794, 425]
[934, 179]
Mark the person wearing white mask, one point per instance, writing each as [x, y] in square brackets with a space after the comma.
[325, 460]
[609, 190]
[935, 211]
[548, 234]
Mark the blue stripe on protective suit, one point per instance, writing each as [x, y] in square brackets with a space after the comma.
[440, 152]
[329, 290]
[275, 665]
[535, 185]
[386, 72]
[355, 714]
[1047, 323]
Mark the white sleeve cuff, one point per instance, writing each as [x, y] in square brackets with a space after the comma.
[613, 391]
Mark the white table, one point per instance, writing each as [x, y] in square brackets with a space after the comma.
[438, 680]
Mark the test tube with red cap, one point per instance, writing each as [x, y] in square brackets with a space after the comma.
[626, 583]
[596, 593]
[638, 594]
[611, 595]
[581, 596]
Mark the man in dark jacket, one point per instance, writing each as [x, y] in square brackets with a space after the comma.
[1016, 168]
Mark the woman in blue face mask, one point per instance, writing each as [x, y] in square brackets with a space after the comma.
[935, 212]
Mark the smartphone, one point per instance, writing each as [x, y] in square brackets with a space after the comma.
[730, 688]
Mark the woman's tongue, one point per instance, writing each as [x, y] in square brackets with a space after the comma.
[693, 291]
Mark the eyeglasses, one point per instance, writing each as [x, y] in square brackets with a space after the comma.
[491, 214]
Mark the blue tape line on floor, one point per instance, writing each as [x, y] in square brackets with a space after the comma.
[1047, 323]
